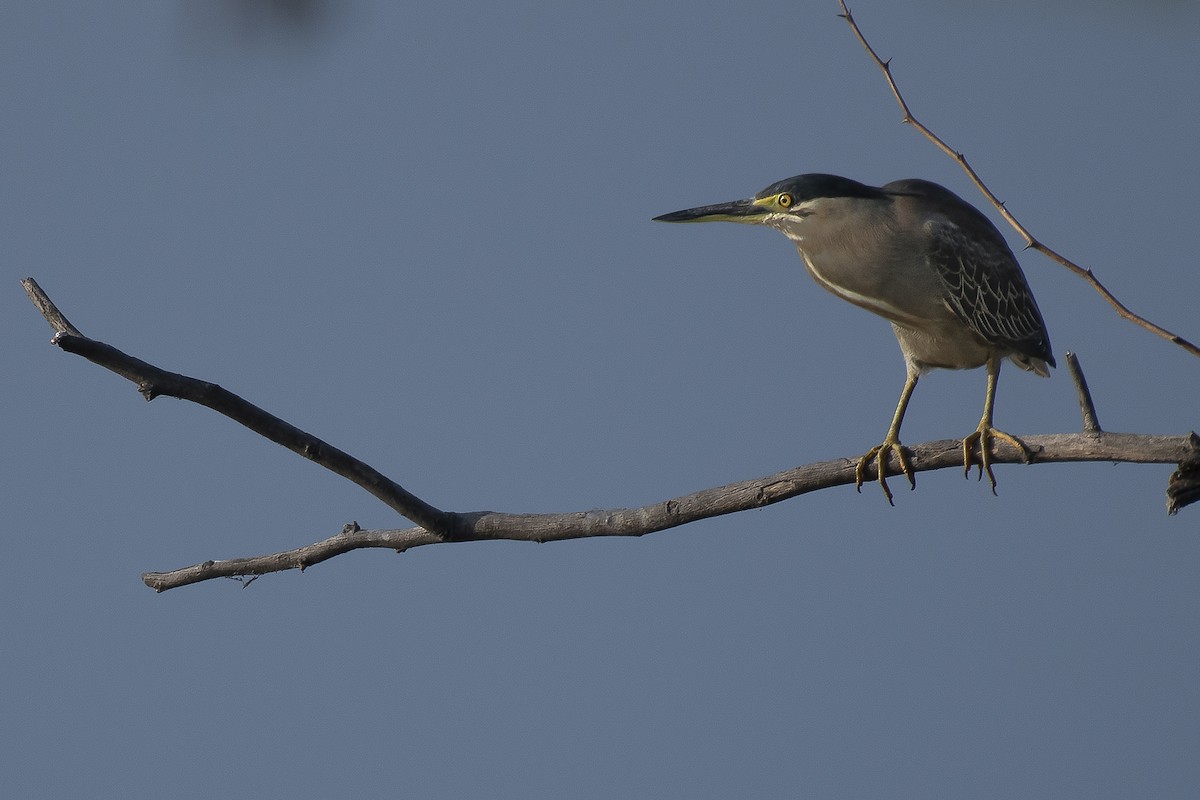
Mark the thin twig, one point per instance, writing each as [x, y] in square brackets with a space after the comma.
[1086, 407]
[1030, 241]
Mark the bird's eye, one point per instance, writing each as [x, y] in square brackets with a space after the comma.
[785, 200]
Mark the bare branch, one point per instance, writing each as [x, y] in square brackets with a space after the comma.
[153, 382]
[742, 496]
[1030, 241]
[436, 526]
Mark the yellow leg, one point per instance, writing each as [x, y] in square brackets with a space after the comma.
[985, 435]
[891, 444]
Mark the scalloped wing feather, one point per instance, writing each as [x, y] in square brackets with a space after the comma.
[985, 288]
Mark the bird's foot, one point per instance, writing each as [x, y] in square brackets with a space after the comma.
[985, 436]
[879, 455]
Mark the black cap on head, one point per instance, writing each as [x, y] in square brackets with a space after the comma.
[818, 184]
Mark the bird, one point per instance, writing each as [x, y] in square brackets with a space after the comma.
[928, 262]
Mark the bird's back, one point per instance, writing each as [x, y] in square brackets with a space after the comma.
[982, 282]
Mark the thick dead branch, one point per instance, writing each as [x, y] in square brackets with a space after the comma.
[1030, 241]
[484, 525]
[741, 496]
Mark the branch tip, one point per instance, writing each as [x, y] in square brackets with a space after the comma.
[49, 311]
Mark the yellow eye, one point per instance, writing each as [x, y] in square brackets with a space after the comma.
[784, 200]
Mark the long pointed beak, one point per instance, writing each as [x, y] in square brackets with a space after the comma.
[745, 211]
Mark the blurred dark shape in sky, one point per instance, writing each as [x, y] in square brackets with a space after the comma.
[257, 23]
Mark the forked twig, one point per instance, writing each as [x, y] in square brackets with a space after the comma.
[1030, 241]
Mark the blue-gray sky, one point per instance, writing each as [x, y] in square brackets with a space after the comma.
[422, 232]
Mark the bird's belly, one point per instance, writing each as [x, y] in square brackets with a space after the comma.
[944, 345]
[930, 334]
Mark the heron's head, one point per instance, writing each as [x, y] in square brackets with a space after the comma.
[788, 205]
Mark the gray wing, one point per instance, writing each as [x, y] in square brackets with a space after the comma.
[985, 288]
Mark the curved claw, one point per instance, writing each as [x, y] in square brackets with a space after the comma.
[879, 454]
[985, 437]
